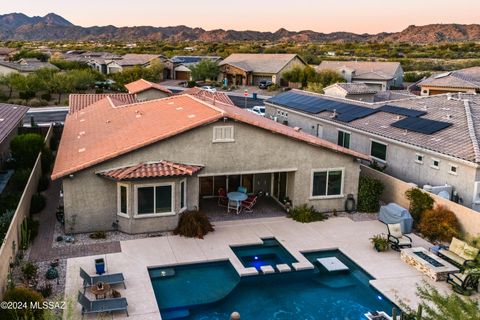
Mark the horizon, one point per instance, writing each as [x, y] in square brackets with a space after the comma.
[382, 18]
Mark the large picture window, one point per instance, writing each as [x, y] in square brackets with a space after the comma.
[327, 183]
[122, 199]
[154, 199]
[379, 150]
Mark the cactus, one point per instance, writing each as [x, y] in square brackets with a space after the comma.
[419, 312]
[24, 234]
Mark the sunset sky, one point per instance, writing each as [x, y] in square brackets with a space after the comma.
[358, 16]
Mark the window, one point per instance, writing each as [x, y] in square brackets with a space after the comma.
[122, 202]
[435, 164]
[419, 158]
[453, 170]
[183, 195]
[327, 183]
[379, 150]
[154, 199]
[223, 134]
[344, 139]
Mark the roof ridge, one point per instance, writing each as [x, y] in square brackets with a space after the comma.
[176, 166]
[471, 130]
[130, 170]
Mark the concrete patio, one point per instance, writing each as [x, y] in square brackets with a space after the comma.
[394, 278]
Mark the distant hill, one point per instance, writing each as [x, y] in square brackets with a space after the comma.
[18, 26]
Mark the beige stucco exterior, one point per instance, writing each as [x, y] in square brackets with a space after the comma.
[92, 200]
[433, 90]
[151, 94]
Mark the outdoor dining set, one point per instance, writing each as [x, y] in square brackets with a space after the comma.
[237, 201]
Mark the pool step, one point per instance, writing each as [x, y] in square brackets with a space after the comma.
[336, 282]
[162, 273]
[283, 267]
[267, 269]
[361, 276]
[175, 314]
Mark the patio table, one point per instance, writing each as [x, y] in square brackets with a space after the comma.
[236, 197]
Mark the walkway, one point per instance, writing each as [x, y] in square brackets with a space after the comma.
[42, 250]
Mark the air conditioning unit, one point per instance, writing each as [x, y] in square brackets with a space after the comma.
[444, 191]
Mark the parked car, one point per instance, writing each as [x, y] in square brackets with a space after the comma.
[209, 89]
[264, 84]
[260, 110]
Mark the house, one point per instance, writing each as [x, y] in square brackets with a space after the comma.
[136, 59]
[24, 66]
[380, 76]
[138, 166]
[425, 140]
[6, 53]
[353, 91]
[248, 69]
[182, 65]
[11, 118]
[145, 90]
[464, 80]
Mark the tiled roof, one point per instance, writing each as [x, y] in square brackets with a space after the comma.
[151, 170]
[78, 101]
[101, 132]
[259, 62]
[455, 141]
[208, 96]
[143, 85]
[465, 78]
[354, 88]
[10, 116]
[389, 95]
[366, 70]
[133, 59]
[28, 66]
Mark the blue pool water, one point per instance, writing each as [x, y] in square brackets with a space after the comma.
[214, 290]
[271, 252]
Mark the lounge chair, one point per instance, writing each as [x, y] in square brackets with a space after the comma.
[459, 253]
[396, 238]
[111, 279]
[249, 203]
[464, 283]
[100, 306]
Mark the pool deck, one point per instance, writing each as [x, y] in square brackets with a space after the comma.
[393, 278]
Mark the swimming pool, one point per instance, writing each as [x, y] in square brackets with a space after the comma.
[213, 291]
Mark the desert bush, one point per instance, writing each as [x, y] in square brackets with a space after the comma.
[19, 179]
[25, 149]
[29, 271]
[369, 192]
[5, 219]
[439, 224]
[98, 235]
[37, 203]
[46, 290]
[46, 96]
[47, 160]
[25, 295]
[305, 214]
[35, 102]
[419, 202]
[43, 183]
[191, 84]
[193, 224]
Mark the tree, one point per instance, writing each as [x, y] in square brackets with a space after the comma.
[25, 149]
[60, 84]
[205, 70]
[327, 77]
[10, 80]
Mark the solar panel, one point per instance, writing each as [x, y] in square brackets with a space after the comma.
[420, 125]
[402, 111]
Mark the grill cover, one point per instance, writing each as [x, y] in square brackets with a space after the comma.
[393, 213]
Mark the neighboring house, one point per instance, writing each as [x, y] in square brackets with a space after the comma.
[6, 53]
[11, 118]
[24, 66]
[145, 90]
[424, 140]
[393, 95]
[136, 59]
[139, 166]
[249, 69]
[79, 101]
[380, 76]
[353, 91]
[210, 97]
[182, 65]
[464, 80]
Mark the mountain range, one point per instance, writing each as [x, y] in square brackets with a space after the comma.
[18, 26]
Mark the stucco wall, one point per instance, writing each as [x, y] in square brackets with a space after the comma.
[93, 199]
[395, 192]
[400, 157]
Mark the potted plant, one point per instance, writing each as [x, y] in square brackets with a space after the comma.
[380, 242]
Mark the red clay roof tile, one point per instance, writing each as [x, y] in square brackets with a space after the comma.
[151, 170]
[143, 85]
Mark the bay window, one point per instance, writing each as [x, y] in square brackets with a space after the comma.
[154, 199]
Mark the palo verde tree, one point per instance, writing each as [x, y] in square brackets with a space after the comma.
[205, 70]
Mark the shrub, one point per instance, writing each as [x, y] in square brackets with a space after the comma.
[19, 179]
[273, 87]
[5, 219]
[29, 271]
[439, 224]
[43, 183]
[98, 235]
[47, 160]
[25, 149]
[376, 166]
[35, 102]
[369, 192]
[191, 84]
[37, 203]
[27, 296]
[46, 96]
[419, 202]
[46, 290]
[9, 201]
[305, 214]
[193, 224]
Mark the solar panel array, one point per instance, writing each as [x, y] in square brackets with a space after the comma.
[421, 125]
[347, 112]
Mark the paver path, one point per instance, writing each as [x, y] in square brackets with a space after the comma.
[42, 249]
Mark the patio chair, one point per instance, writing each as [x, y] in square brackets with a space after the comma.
[396, 238]
[464, 283]
[222, 198]
[111, 279]
[100, 306]
[248, 204]
[242, 189]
